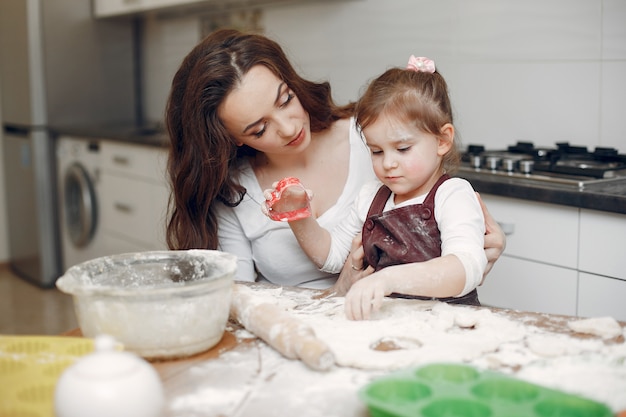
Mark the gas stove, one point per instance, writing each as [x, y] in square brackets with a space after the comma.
[564, 164]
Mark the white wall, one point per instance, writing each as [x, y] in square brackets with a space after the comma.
[167, 41]
[538, 70]
[535, 70]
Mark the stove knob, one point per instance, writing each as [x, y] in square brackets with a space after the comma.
[476, 161]
[508, 165]
[526, 166]
[492, 162]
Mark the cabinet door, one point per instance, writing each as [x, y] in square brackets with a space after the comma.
[170, 3]
[104, 8]
[530, 286]
[540, 232]
[160, 195]
[601, 296]
[603, 243]
[134, 194]
[114, 245]
[130, 210]
[134, 161]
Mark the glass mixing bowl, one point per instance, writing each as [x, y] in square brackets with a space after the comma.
[160, 304]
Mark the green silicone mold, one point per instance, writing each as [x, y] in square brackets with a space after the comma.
[454, 390]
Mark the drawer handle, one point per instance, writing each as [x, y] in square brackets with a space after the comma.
[507, 228]
[130, 1]
[124, 208]
[120, 160]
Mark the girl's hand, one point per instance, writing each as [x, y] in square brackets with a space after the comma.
[495, 240]
[365, 297]
[288, 200]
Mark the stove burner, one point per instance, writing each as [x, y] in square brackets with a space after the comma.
[564, 162]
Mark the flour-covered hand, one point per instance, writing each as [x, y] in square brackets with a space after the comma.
[365, 297]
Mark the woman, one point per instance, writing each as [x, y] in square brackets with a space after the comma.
[239, 119]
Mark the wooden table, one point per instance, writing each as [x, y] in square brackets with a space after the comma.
[242, 376]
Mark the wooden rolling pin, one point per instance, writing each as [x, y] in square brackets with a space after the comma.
[285, 333]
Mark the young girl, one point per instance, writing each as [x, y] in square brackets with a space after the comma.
[415, 215]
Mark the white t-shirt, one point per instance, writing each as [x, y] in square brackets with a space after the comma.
[270, 246]
[459, 218]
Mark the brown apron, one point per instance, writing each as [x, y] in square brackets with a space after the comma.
[405, 235]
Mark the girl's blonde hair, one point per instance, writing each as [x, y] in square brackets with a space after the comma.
[416, 97]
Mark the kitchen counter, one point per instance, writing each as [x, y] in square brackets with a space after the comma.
[243, 376]
[609, 196]
[150, 135]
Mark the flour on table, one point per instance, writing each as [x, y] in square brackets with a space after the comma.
[558, 345]
[424, 334]
[417, 333]
[593, 375]
[605, 327]
[251, 391]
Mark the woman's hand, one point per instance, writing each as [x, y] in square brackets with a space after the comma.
[495, 240]
[352, 270]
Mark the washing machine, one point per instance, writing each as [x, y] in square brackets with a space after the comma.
[78, 165]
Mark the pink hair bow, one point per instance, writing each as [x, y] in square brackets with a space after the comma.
[421, 64]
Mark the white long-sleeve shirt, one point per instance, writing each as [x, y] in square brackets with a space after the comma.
[459, 218]
[270, 248]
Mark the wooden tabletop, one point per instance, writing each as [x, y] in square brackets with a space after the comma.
[242, 376]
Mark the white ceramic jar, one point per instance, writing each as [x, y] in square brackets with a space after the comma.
[109, 383]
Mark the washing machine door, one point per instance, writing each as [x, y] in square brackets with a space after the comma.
[81, 210]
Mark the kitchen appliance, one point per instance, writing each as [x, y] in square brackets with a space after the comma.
[58, 67]
[78, 175]
[563, 165]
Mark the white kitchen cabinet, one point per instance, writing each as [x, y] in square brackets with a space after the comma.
[602, 264]
[136, 161]
[109, 8]
[537, 271]
[540, 232]
[558, 259]
[133, 197]
[520, 284]
[106, 8]
[603, 243]
[600, 296]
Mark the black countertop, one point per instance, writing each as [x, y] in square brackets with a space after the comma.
[608, 196]
[149, 135]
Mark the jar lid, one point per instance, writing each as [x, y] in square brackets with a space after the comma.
[107, 361]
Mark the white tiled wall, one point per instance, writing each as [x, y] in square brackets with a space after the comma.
[538, 70]
[167, 41]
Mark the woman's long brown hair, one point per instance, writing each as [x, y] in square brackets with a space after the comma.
[202, 156]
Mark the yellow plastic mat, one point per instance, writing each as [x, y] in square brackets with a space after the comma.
[29, 369]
